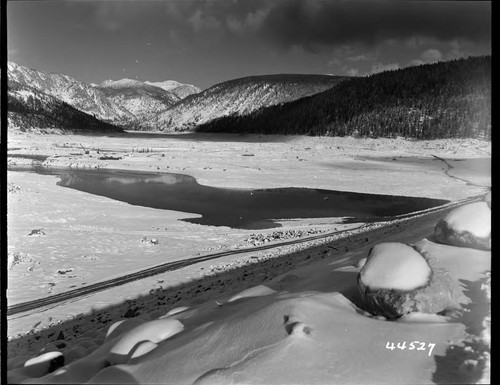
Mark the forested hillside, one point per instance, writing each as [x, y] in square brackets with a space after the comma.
[29, 108]
[75, 93]
[442, 100]
[238, 97]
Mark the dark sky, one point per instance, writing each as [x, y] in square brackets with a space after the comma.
[207, 42]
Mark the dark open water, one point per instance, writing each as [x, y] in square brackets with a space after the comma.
[244, 209]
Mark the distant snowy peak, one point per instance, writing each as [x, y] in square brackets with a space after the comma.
[180, 89]
[80, 95]
[131, 85]
[169, 85]
[141, 99]
[120, 83]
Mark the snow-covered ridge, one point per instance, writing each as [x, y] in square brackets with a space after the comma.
[31, 110]
[239, 97]
[125, 82]
[177, 90]
[121, 102]
[141, 99]
[180, 89]
[167, 85]
[77, 94]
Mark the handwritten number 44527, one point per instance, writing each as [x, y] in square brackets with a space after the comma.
[415, 345]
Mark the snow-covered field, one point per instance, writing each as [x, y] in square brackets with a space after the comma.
[292, 314]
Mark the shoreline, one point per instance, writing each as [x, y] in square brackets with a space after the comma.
[256, 161]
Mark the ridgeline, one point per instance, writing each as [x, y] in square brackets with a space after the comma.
[443, 100]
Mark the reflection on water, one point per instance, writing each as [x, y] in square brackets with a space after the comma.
[246, 209]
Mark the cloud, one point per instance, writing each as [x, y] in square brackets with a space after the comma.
[362, 57]
[312, 24]
[13, 52]
[340, 53]
[431, 55]
[334, 62]
[201, 21]
[352, 72]
[457, 50]
[380, 67]
[249, 23]
[186, 18]
[357, 58]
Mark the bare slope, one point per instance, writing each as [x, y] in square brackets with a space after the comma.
[239, 97]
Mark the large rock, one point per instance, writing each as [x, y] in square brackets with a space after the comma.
[397, 280]
[467, 226]
[43, 364]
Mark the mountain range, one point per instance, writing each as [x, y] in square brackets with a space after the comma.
[444, 99]
[178, 89]
[238, 97]
[138, 98]
[169, 105]
[77, 94]
[30, 109]
[121, 103]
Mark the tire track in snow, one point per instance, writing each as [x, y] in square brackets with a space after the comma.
[159, 269]
[71, 295]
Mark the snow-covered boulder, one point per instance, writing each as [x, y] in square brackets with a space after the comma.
[397, 280]
[154, 331]
[122, 326]
[466, 226]
[43, 364]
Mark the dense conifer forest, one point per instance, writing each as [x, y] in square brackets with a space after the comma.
[442, 100]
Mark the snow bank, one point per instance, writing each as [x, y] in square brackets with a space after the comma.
[395, 266]
[43, 364]
[37, 367]
[466, 226]
[256, 291]
[153, 332]
[312, 332]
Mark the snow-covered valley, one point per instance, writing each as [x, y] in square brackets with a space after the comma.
[272, 315]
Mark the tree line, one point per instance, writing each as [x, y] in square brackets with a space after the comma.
[442, 100]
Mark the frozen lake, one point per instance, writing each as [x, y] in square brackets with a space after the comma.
[236, 208]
